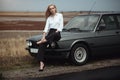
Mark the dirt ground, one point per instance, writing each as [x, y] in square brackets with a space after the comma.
[60, 67]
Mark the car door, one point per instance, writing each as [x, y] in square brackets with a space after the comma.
[118, 24]
[107, 35]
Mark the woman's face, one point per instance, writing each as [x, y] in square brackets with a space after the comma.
[52, 9]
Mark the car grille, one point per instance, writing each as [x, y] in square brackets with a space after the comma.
[34, 45]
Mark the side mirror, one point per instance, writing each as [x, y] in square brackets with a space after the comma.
[100, 28]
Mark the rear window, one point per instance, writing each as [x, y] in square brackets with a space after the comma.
[118, 17]
[108, 22]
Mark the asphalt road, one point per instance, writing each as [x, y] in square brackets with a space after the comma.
[107, 73]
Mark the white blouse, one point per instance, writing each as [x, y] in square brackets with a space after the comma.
[55, 22]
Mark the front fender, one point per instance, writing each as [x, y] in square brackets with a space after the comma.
[66, 44]
[79, 42]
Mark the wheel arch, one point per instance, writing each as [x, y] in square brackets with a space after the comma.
[81, 42]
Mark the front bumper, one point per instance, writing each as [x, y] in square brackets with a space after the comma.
[50, 53]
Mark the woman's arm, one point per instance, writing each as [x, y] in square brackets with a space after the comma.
[43, 37]
[46, 26]
[61, 23]
[44, 33]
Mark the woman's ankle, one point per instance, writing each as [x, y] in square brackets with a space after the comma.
[41, 65]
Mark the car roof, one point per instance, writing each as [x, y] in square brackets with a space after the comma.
[102, 13]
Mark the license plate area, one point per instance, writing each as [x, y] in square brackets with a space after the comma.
[34, 50]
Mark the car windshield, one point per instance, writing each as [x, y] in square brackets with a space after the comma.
[82, 23]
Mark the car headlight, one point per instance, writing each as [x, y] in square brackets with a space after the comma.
[29, 43]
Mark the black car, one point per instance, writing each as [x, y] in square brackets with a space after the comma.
[82, 37]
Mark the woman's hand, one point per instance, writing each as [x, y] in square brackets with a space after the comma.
[43, 40]
[57, 31]
[38, 42]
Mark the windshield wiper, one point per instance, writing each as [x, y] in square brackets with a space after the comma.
[65, 29]
[74, 29]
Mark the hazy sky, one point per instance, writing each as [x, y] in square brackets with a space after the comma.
[62, 5]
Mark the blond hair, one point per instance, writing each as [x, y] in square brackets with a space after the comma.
[48, 13]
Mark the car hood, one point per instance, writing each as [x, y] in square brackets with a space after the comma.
[65, 36]
[75, 35]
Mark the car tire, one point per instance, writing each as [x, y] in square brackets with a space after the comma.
[79, 54]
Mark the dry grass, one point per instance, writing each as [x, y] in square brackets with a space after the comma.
[12, 49]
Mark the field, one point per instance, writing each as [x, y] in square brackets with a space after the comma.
[27, 20]
[15, 28]
[22, 25]
[12, 49]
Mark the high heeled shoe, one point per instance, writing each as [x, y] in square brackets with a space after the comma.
[41, 69]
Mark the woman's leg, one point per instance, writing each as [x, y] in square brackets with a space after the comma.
[50, 38]
[41, 66]
[40, 56]
[53, 37]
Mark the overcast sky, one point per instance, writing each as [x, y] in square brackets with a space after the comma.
[62, 5]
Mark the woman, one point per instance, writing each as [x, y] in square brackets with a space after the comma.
[53, 27]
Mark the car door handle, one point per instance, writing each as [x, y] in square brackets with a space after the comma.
[117, 32]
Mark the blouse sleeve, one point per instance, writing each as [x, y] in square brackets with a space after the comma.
[61, 23]
[46, 26]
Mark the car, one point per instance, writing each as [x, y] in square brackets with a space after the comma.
[83, 36]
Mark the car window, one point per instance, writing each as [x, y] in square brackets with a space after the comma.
[108, 22]
[118, 17]
[83, 22]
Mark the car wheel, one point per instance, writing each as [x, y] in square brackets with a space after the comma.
[79, 54]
